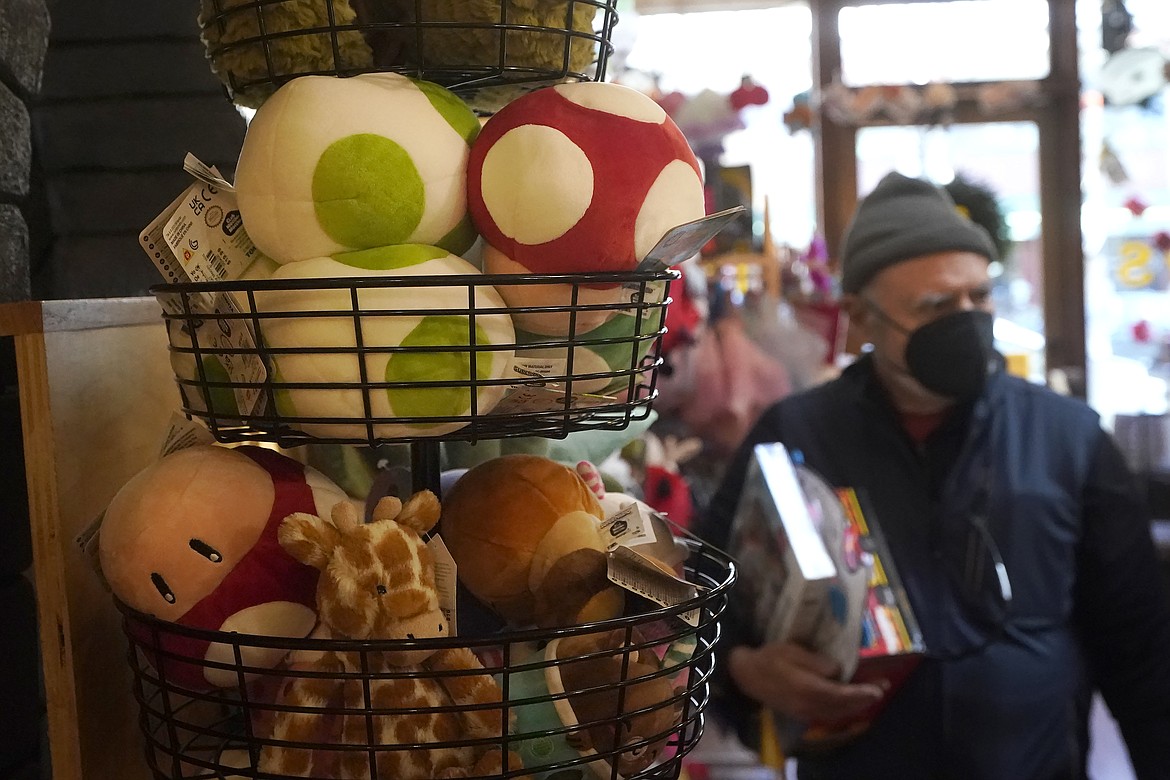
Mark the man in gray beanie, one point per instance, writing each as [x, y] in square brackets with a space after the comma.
[904, 218]
[1010, 514]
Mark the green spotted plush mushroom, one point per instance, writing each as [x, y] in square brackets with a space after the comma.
[332, 165]
[439, 337]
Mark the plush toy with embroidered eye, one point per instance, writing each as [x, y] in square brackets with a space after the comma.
[191, 539]
[333, 165]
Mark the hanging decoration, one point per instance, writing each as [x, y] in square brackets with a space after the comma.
[933, 104]
[1133, 76]
[1116, 25]
[709, 116]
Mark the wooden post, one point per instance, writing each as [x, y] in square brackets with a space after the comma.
[835, 146]
[96, 392]
[1060, 201]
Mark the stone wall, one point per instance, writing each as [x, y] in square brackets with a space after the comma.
[24, 36]
[125, 96]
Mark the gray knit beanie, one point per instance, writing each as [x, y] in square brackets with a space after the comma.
[901, 219]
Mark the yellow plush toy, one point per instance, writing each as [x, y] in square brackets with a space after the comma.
[525, 533]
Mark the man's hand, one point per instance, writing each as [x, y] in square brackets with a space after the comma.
[799, 683]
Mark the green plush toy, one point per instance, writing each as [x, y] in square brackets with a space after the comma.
[338, 164]
[438, 335]
[226, 27]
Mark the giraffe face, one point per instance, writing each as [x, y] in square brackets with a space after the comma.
[380, 584]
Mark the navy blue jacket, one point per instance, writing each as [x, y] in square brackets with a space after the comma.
[1003, 697]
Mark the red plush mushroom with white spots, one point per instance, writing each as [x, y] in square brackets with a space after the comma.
[577, 178]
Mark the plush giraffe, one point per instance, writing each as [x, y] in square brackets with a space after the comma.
[378, 582]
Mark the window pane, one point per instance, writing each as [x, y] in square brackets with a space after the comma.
[968, 40]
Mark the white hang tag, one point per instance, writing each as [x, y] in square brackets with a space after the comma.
[445, 580]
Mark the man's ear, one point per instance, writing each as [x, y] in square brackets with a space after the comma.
[855, 306]
[861, 317]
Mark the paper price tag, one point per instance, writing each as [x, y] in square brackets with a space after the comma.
[538, 368]
[206, 234]
[217, 335]
[183, 433]
[88, 544]
[208, 174]
[543, 396]
[640, 575]
[546, 398]
[445, 580]
[200, 236]
[152, 242]
[626, 526]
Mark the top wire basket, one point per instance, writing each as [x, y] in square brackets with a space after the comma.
[381, 359]
[487, 51]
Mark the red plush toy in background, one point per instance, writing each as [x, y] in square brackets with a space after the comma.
[191, 539]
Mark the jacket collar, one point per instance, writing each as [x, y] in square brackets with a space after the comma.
[860, 381]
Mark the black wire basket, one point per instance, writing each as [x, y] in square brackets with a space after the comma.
[487, 51]
[373, 360]
[643, 717]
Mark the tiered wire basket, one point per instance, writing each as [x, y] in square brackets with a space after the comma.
[420, 360]
[487, 51]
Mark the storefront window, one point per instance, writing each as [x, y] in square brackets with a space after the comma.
[1126, 147]
[704, 56]
[1126, 214]
[965, 40]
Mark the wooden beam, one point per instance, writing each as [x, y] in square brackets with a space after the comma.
[23, 321]
[835, 146]
[1060, 201]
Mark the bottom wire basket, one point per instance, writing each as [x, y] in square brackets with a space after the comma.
[622, 698]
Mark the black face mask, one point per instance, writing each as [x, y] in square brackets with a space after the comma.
[953, 355]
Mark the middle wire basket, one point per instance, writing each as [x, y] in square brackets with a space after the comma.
[371, 360]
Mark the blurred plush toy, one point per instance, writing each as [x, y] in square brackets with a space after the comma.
[979, 203]
[801, 116]
[609, 359]
[603, 689]
[388, 167]
[664, 485]
[447, 335]
[251, 71]
[578, 178]
[192, 539]
[708, 117]
[593, 716]
[378, 583]
[525, 534]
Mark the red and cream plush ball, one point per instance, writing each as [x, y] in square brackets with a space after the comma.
[578, 178]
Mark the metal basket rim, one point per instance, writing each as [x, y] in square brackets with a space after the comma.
[701, 601]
